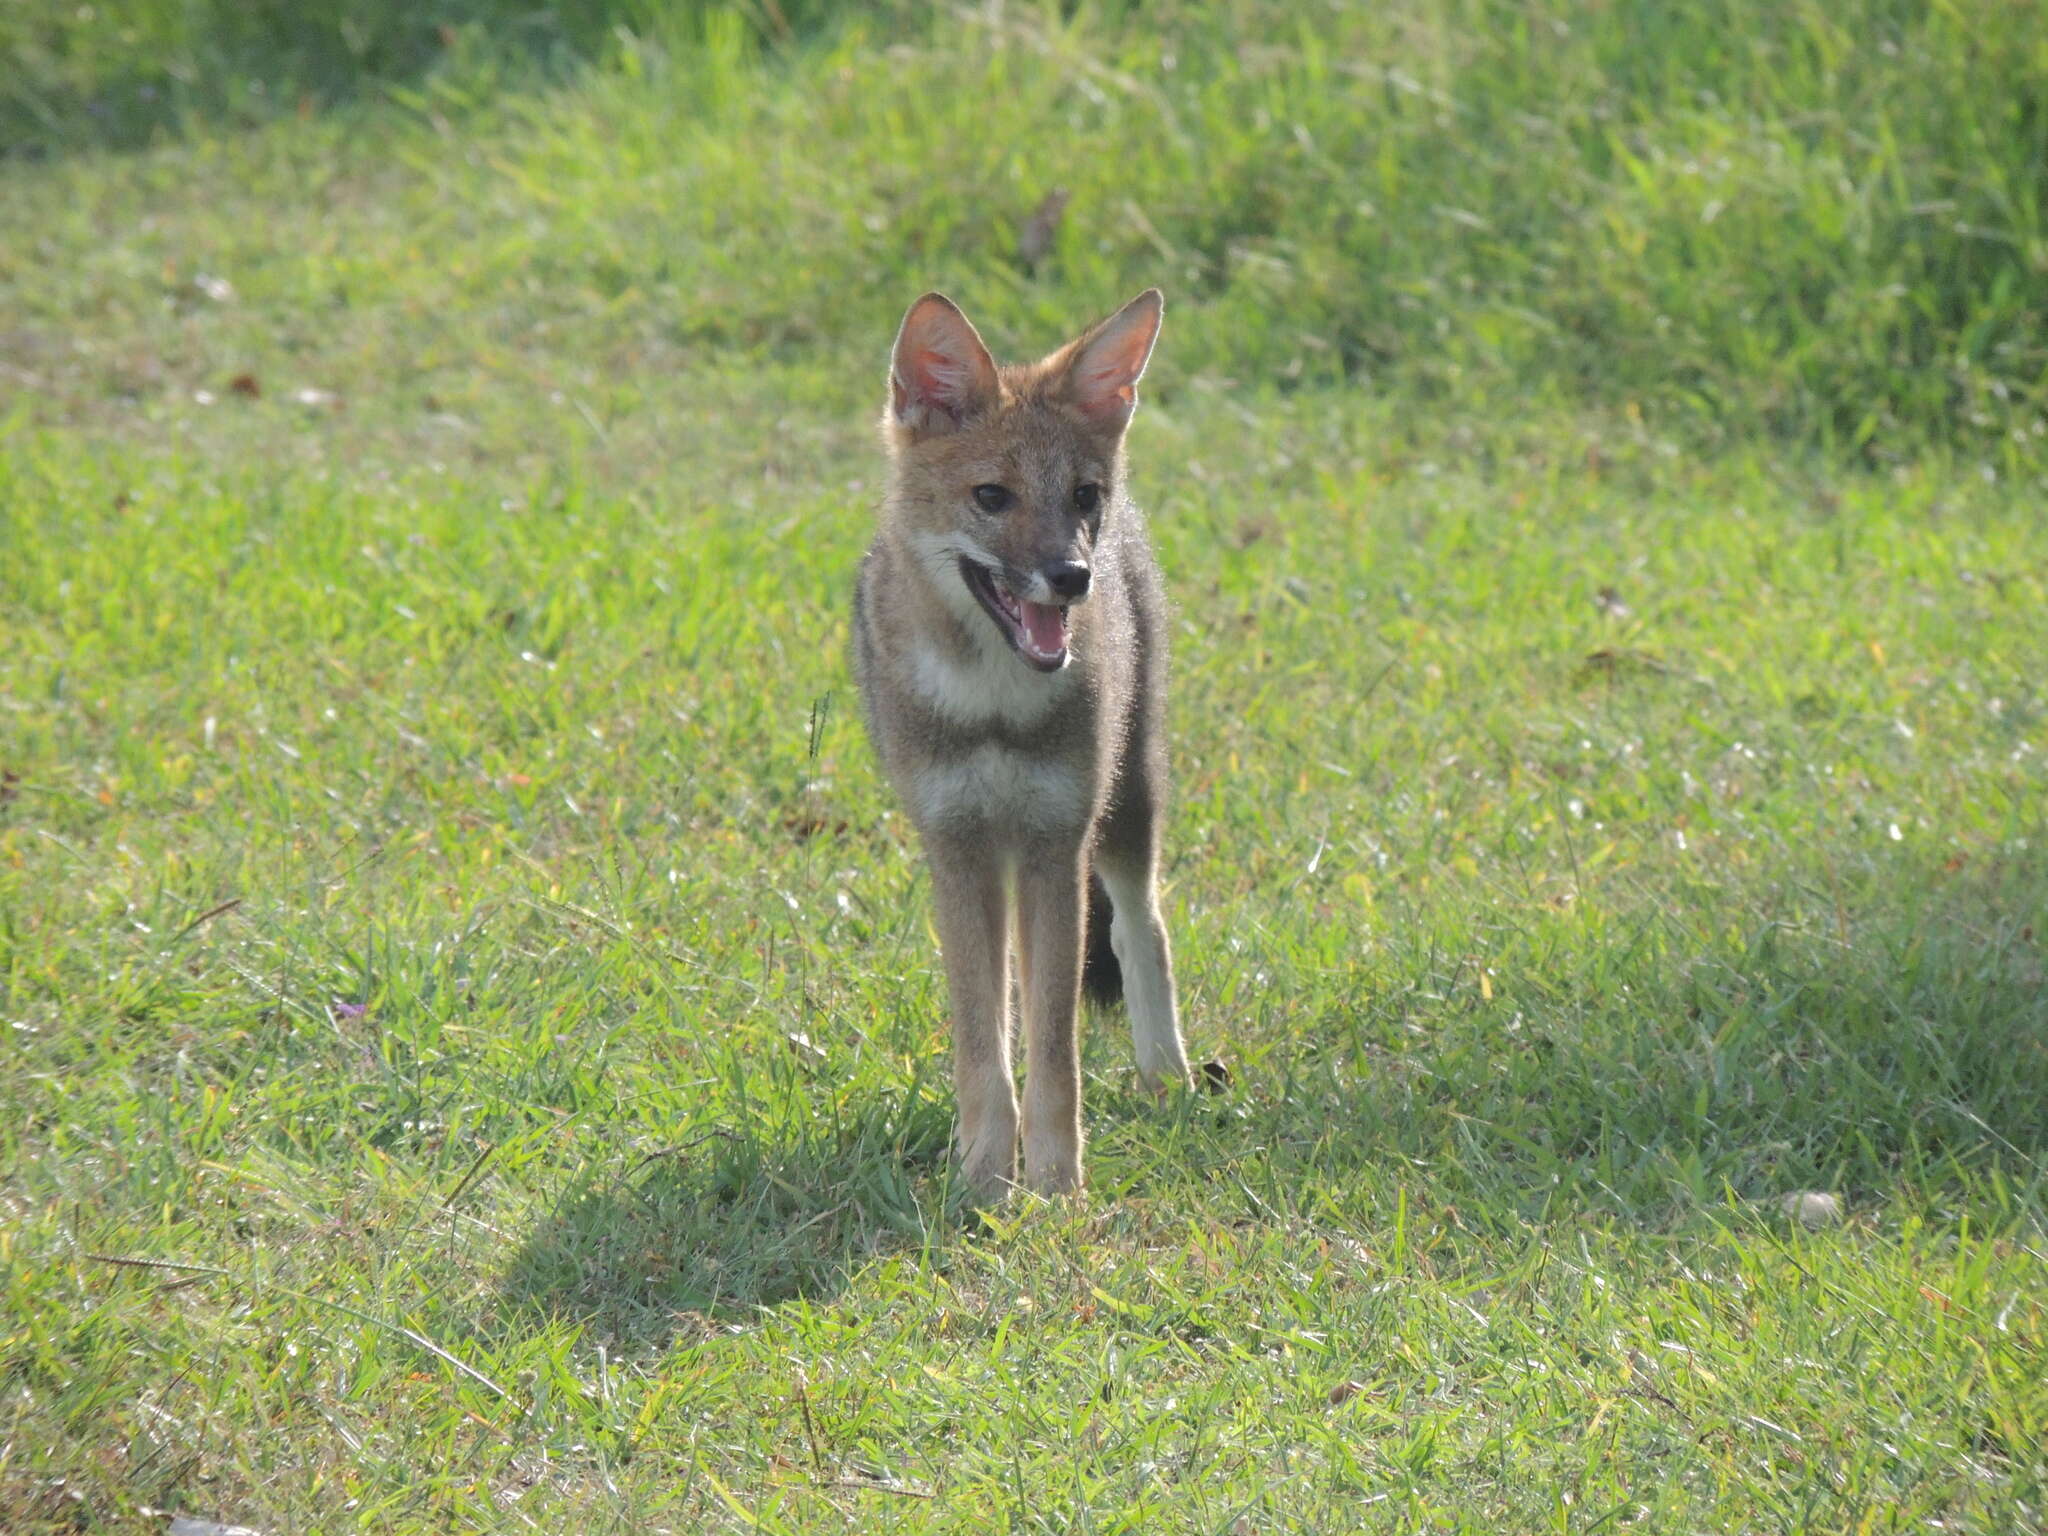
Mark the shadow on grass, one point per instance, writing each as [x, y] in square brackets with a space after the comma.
[779, 1205]
[123, 74]
[1889, 1044]
[1882, 1033]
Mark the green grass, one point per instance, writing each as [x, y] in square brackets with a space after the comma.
[449, 914]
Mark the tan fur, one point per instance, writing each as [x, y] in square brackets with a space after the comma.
[1018, 779]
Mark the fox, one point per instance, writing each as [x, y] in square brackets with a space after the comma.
[1010, 649]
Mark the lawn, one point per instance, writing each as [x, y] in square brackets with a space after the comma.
[475, 1054]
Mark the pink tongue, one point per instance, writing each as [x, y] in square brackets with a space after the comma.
[1045, 627]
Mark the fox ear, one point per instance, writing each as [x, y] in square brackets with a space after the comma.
[940, 373]
[1108, 361]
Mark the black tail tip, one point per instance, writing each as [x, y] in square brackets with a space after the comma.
[1102, 979]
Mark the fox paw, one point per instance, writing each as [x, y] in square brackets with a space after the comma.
[1052, 1163]
[988, 1169]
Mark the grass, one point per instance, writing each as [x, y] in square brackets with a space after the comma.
[475, 1051]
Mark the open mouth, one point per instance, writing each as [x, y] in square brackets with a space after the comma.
[1036, 631]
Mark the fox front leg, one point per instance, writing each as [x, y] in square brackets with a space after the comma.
[1051, 902]
[971, 910]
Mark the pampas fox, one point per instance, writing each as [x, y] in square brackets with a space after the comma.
[1009, 639]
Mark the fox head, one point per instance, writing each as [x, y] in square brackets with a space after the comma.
[1002, 479]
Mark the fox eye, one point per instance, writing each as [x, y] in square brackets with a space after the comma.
[1086, 497]
[991, 498]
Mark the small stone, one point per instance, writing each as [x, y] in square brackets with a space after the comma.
[1812, 1207]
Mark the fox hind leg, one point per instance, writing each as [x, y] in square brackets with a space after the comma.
[1102, 978]
[1145, 958]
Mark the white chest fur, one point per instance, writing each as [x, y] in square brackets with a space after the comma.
[996, 784]
[1003, 786]
[992, 686]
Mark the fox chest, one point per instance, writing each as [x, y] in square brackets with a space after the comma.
[1000, 788]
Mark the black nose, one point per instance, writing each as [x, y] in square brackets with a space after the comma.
[1067, 578]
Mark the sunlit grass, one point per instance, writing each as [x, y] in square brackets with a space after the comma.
[449, 915]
